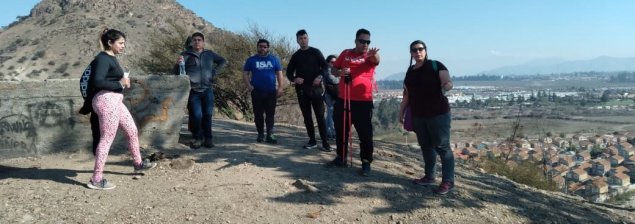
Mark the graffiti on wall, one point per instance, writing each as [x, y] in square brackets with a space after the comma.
[18, 132]
[21, 132]
[52, 113]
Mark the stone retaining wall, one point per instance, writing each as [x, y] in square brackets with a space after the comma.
[39, 117]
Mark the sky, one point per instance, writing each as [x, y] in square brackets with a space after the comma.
[468, 36]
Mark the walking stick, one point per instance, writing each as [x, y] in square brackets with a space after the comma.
[347, 119]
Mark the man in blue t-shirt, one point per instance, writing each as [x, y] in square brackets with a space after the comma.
[260, 73]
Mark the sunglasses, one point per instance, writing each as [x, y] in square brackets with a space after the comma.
[417, 49]
[363, 41]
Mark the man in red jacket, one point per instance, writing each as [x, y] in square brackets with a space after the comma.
[356, 67]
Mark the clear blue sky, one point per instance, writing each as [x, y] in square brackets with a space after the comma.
[468, 36]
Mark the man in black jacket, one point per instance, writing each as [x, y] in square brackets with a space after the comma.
[201, 66]
[306, 69]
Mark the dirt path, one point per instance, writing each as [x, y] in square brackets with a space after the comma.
[240, 181]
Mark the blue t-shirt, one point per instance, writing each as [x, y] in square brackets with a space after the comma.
[263, 71]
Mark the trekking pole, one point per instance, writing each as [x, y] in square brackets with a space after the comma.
[344, 117]
[347, 121]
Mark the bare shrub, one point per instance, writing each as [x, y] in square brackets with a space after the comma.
[231, 97]
[38, 55]
[62, 68]
[22, 59]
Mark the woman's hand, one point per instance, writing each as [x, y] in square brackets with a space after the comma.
[125, 82]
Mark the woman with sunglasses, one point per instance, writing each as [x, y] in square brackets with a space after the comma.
[424, 86]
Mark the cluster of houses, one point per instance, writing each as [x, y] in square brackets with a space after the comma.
[592, 166]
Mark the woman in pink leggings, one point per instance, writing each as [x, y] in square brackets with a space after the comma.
[106, 85]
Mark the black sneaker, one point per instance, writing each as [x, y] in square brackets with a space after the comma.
[144, 166]
[337, 162]
[196, 144]
[326, 148]
[260, 138]
[365, 171]
[310, 145]
[208, 144]
[271, 139]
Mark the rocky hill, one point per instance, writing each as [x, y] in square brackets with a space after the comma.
[60, 37]
[241, 181]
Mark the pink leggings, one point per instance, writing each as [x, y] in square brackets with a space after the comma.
[113, 114]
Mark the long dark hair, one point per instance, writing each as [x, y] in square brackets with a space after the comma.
[424, 48]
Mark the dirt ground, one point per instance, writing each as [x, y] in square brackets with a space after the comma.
[241, 181]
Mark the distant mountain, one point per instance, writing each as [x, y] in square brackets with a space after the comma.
[397, 76]
[558, 65]
[59, 38]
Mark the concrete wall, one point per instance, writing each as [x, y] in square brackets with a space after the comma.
[39, 117]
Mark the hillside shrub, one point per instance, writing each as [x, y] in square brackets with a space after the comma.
[22, 59]
[231, 97]
[62, 68]
[526, 172]
[622, 198]
[38, 55]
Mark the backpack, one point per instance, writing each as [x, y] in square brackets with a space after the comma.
[407, 123]
[86, 90]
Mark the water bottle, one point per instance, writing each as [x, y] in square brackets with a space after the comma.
[182, 67]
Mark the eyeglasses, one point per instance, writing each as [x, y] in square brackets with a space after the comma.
[417, 49]
[262, 46]
[363, 41]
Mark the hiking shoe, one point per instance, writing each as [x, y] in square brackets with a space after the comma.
[337, 162]
[196, 144]
[260, 138]
[326, 148]
[424, 181]
[271, 139]
[101, 185]
[365, 171]
[310, 145]
[145, 165]
[444, 188]
[208, 144]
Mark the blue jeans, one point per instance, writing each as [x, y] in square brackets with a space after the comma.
[433, 135]
[330, 102]
[201, 108]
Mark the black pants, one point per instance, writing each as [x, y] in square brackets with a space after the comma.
[264, 103]
[312, 97]
[361, 117]
[94, 127]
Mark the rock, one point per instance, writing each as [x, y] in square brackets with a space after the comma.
[305, 185]
[26, 218]
[182, 163]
